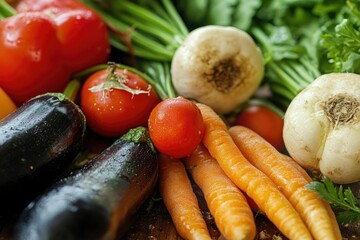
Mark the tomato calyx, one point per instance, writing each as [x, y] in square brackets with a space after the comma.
[117, 80]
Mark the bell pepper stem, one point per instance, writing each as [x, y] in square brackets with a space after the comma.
[6, 10]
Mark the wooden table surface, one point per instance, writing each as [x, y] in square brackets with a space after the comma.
[156, 224]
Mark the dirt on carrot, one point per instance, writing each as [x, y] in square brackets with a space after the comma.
[249, 179]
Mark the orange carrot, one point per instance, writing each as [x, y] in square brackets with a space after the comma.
[180, 200]
[249, 179]
[283, 172]
[227, 204]
[297, 166]
[7, 106]
[309, 179]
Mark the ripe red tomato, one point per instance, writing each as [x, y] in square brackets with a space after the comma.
[265, 122]
[30, 64]
[113, 112]
[176, 127]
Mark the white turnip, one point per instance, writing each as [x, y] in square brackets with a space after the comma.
[218, 66]
[322, 127]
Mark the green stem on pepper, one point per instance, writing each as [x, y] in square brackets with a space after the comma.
[6, 10]
[72, 88]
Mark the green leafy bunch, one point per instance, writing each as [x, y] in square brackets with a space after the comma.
[342, 41]
[300, 39]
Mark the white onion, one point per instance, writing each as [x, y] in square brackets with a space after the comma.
[218, 66]
[322, 127]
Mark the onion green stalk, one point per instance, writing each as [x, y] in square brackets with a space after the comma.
[151, 32]
[289, 75]
[156, 30]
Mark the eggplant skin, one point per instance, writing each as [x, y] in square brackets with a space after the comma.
[38, 143]
[98, 201]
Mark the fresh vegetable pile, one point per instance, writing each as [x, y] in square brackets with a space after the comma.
[256, 103]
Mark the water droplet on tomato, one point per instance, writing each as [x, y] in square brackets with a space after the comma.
[12, 39]
[35, 55]
[78, 17]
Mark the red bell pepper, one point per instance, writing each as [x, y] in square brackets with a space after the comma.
[45, 42]
[81, 31]
[30, 62]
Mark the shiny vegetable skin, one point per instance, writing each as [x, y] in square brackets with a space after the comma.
[99, 200]
[112, 112]
[30, 62]
[82, 34]
[38, 142]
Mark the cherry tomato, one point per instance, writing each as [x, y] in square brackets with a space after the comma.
[176, 127]
[113, 112]
[265, 122]
[82, 33]
[30, 62]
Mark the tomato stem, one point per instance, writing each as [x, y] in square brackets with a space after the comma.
[113, 76]
[159, 71]
[72, 89]
[117, 80]
[88, 71]
[6, 10]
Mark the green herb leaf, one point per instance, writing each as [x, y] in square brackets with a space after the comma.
[343, 201]
[341, 43]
